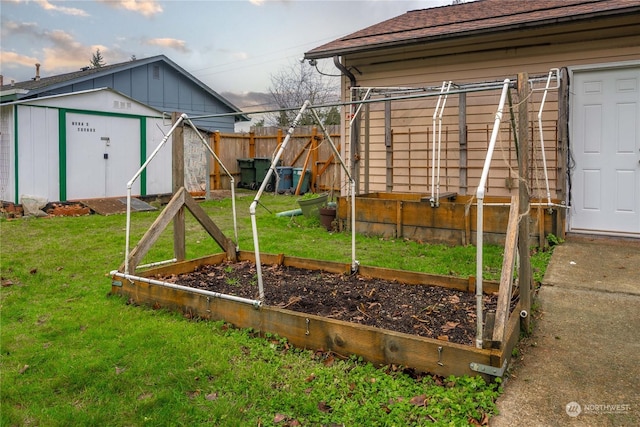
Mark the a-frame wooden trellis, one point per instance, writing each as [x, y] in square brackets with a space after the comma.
[174, 211]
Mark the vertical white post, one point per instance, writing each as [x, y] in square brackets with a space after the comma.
[254, 204]
[480, 196]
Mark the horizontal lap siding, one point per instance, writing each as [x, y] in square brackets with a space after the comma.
[412, 161]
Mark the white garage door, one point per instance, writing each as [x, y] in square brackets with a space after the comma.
[605, 141]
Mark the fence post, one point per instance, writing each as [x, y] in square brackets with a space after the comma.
[279, 138]
[216, 184]
[252, 144]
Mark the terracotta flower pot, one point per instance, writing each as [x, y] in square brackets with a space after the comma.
[327, 217]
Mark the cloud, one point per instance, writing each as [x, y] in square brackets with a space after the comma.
[66, 10]
[240, 56]
[15, 59]
[175, 44]
[66, 52]
[143, 7]
[261, 2]
[61, 52]
[250, 101]
[12, 28]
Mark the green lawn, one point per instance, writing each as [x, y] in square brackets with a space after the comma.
[73, 355]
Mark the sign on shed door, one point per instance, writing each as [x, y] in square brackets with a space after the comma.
[606, 151]
[103, 154]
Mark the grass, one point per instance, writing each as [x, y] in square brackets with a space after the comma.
[72, 355]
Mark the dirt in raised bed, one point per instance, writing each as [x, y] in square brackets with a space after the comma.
[428, 311]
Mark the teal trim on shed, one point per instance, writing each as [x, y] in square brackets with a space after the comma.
[15, 153]
[62, 153]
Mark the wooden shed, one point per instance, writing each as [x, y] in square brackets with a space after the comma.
[81, 145]
[590, 124]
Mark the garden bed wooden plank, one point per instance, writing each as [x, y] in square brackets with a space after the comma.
[379, 346]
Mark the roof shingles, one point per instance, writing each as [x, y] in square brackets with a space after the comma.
[468, 18]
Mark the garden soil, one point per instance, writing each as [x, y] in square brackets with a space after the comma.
[428, 311]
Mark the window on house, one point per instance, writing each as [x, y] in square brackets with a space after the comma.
[156, 72]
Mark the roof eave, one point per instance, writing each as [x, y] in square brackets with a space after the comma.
[329, 53]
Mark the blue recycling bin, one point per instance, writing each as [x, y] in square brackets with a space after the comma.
[285, 178]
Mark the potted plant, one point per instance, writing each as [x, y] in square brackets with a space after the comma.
[328, 216]
[328, 213]
[310, 204]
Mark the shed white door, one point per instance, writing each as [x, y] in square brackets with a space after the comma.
[103, 154]
[606, 151]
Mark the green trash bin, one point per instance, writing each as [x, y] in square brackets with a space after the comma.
[262, 165]
[297, 173]
[247, 173]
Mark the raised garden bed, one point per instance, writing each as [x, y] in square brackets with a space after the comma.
[453, 222]
[397, 317]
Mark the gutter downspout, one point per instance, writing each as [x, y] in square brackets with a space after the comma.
[354, 125]
[345, 71]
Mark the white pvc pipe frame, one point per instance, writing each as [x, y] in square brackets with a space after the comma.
[126, 276]
[480, 212]
[182, 118]
[271, 171]
[544, 97]
[435, 164]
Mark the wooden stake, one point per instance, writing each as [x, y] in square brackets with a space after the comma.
[177, 146]
[562, 155]
[303, 172]
[506, 279]
[314, 159]
[524, 143]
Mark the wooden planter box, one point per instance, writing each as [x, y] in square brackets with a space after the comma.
[378, 346]
[453, 222]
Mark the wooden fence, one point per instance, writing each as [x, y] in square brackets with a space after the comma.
[308, 148]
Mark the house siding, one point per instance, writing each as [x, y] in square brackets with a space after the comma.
[411, 121]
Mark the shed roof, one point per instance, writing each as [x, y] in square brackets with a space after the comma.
[34, 87]
[469, 19]
[44, 99]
